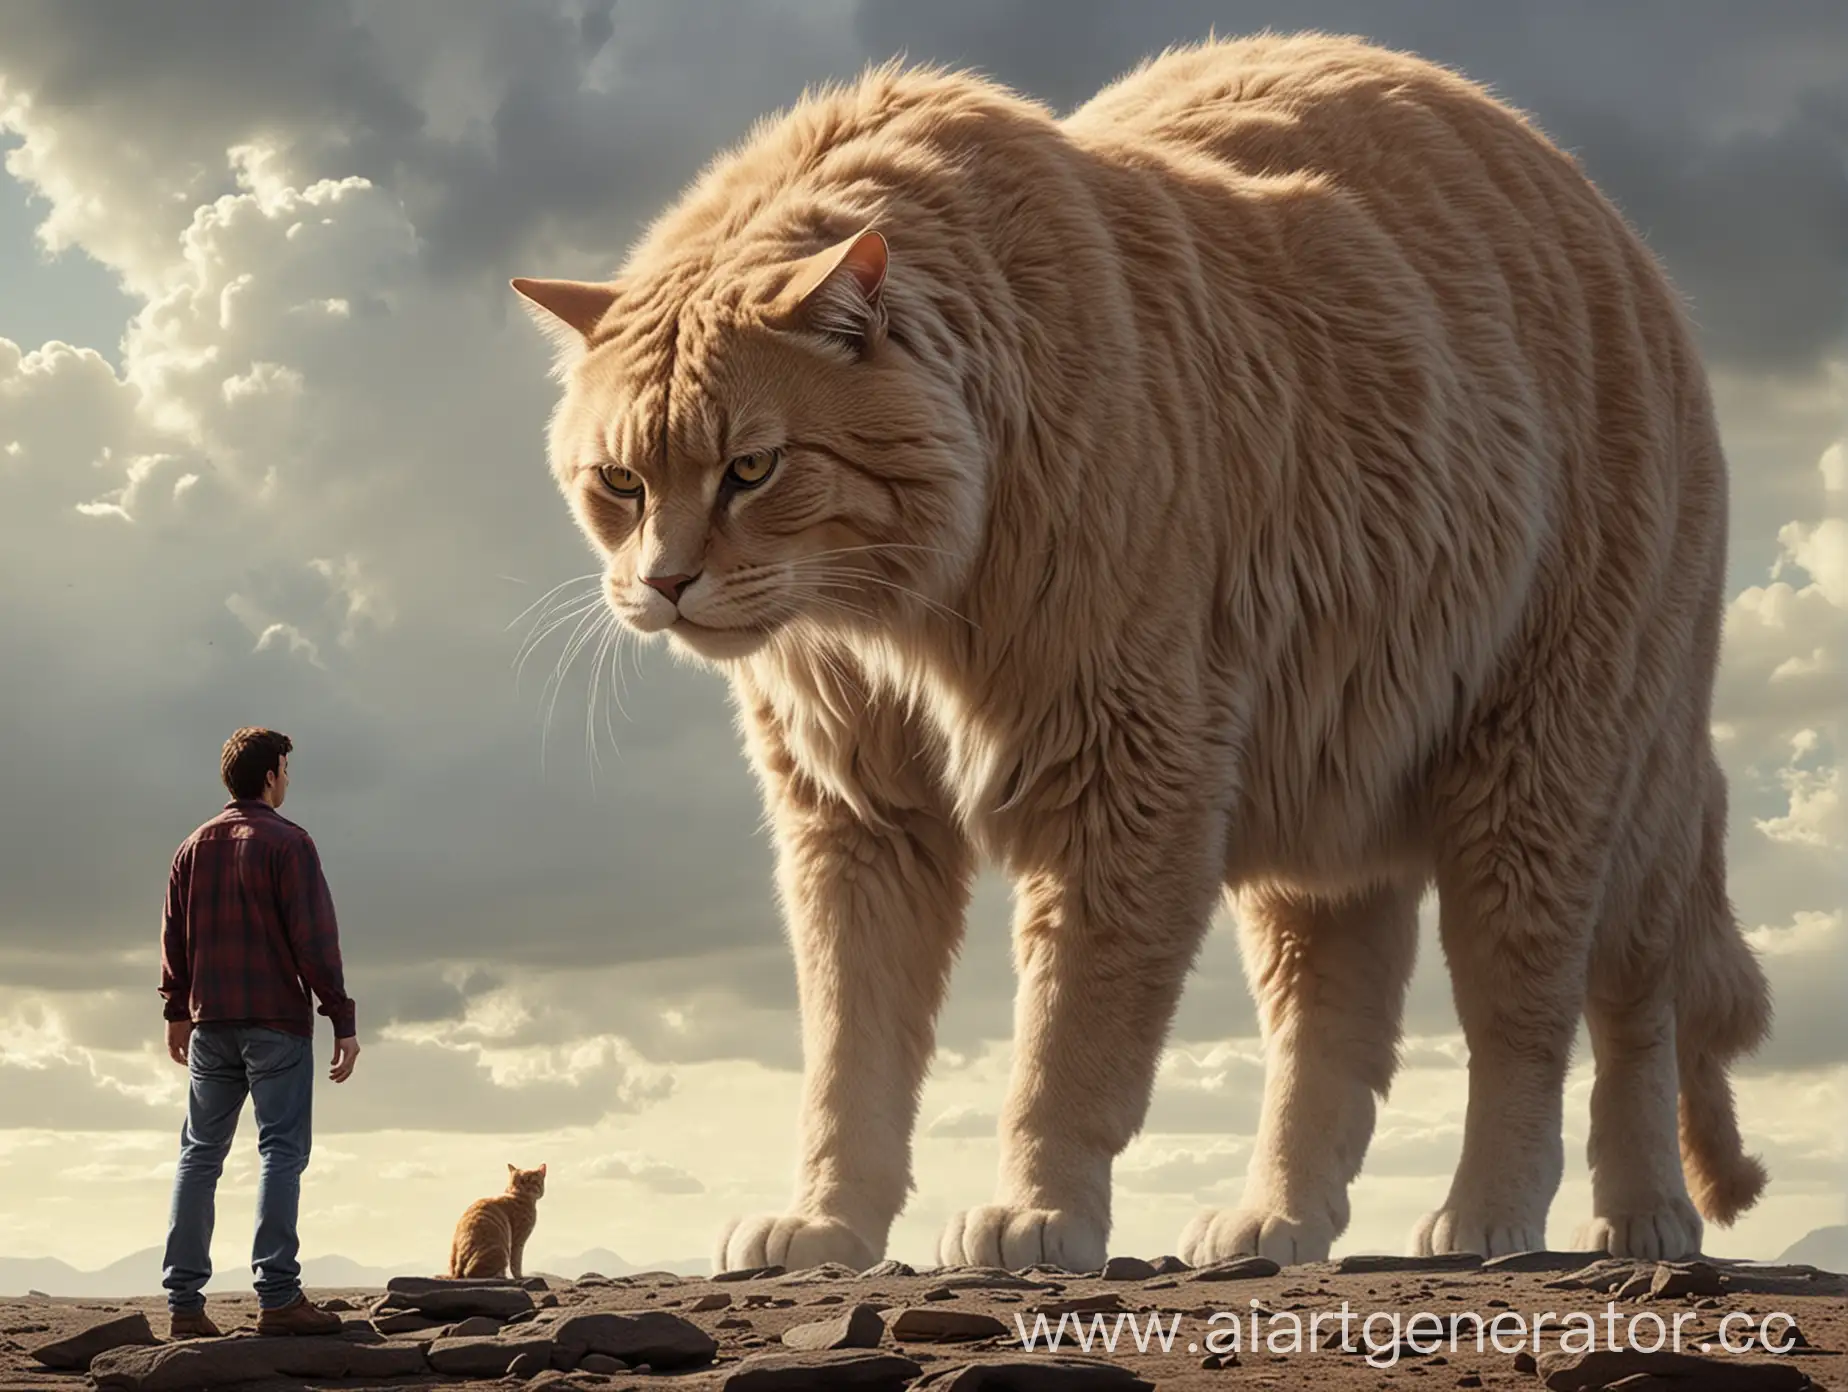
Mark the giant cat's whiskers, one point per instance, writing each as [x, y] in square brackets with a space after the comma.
[850, 578]
[586, 627]
[574, 580]
[531, 646]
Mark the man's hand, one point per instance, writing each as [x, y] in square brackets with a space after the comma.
[179, 1035]
[346, 1054]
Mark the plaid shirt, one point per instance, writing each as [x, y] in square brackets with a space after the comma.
[249, 926]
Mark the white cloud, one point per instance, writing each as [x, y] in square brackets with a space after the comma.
[1808, 933]
[644, 1171]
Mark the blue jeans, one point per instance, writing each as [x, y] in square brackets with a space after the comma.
[276, 1070]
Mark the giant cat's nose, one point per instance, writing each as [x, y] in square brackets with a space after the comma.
[673, 586]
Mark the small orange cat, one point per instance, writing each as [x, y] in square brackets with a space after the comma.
[491, 1237]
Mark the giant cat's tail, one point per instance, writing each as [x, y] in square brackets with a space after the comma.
[1722, 1010]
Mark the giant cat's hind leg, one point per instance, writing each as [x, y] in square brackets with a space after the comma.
[1525, 821]
[1329, 976]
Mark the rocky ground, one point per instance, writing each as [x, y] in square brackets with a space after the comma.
[961, 1330]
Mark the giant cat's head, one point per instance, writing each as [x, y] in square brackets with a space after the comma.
[756, 441]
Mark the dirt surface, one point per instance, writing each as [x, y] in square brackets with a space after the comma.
[749, 1317]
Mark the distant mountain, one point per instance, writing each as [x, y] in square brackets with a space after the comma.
[1825, 1247]
[139, 1272]
[607, 1263]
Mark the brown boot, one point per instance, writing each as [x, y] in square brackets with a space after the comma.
[299, 1317]
[192, 1324]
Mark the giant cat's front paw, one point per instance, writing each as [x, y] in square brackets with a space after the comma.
[1670, 1232]
[792, 1240]
[1462, 1227]
[1218, 1234]
[1010, 1238]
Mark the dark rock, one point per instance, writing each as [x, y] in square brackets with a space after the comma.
[1128, 1269]
[602, 1363]
[860, 1326]
[712, 1300]
[474, 1327]
[558, 1382]
[1671, 1280]
[1367, 1264]
[923, 1324]
[747, 1273]
[1049, 1374]
[73, 1354]
[1540, 1259]
[453, 1300]
[650, 1336]
[939, 1293]
[526, 1364]
[201, 1363]
[792, 1370]
[988, 1278]
[1635, 1285]
[423, 1285]
[339, 1305]
[1103, 1303]
[404, 1322]
[812, 1275]
[1524, 1362]
[491, 1357]
[1170, 1266]
[1686, 1372]
[534, 1283]
[1237, 1269]
[1605, 1274]
[886, 1270]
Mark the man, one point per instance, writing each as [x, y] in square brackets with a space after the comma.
[249, 920]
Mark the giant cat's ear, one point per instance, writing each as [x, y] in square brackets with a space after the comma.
[569, 311]
[837, 293]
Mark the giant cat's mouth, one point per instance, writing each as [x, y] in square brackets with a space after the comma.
[717, 643]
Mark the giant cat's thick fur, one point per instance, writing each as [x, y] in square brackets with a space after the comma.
[1286, 475]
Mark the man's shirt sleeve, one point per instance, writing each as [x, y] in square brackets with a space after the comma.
[175, 966]
[308, 917]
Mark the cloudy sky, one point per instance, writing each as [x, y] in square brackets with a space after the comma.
[270, 452]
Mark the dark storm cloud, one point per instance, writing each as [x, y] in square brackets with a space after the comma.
[1721, 130]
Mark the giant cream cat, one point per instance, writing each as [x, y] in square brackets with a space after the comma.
[1286, 477]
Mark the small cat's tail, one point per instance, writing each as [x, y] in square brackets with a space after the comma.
[1722, 1010]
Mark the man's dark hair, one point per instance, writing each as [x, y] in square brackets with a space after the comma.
[250, 756]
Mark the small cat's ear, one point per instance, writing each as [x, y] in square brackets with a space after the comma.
[513, 1169]
[568, 311]
[542, 1167]
[837, 293]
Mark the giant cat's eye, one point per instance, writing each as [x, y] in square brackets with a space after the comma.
[749, 470]
[624, 483]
